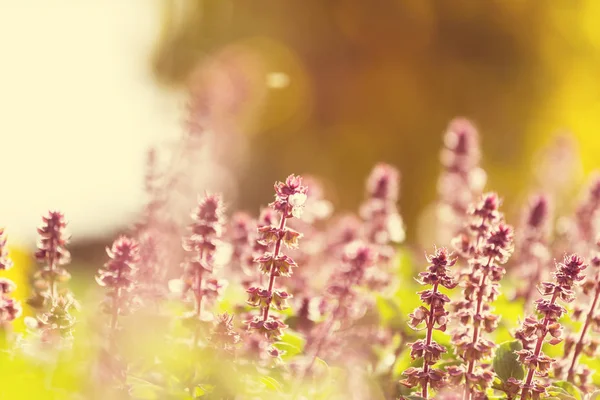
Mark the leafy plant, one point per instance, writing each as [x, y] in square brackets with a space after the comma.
[199, 311]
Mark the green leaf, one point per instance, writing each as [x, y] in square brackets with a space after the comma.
[506, 363]
[289, 349]
[413, 397]
[560, 393]
[569, 388]
[271, 383]
[292, 344]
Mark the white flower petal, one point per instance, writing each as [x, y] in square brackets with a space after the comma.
[297, 212]
[297, 199]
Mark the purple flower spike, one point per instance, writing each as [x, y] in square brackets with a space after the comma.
[290, 198]
[535, 331]
[486, 243]
[118, 277]
[10, 309]
[51, 298]
[202, 246]
[434, 317]
[533, 255]
[462, 180]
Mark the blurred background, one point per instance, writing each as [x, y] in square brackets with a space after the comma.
[326, 88]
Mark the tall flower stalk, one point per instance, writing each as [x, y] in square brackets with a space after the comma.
[118, 277]
[585, 215]
[383, 226]
[583, 343]
[10, 308]
[532, 253]
[52, 253]
[153, 233]
[241, 232]
[342, 294]
[290, 197]
[462, 180]
[487, 244]
[435, 317]
[535, 330]
[52, 299]
[202, 245]
[224, 338]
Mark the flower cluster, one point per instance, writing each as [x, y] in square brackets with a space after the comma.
[345, 231]
[317, 207]
[57, 322]
[202, 246]
[268, 217]
[533, 253]
[585, 216]
[152, 235]
[52, 300]
[241, 232]
[487, 244]
[344, 311]
[307, 282]
[52, 254]
[383, 225]
[224, 338]
[358, 257]
[434, 316]
[150, 280]
[290, 197]
[343, 298]
[10, 309]
[462, 180]
[118, 277]
[535, 330]
[583, 343]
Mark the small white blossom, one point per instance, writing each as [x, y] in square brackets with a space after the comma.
[297, 201]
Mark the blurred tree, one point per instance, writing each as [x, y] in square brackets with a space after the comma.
[379, 80]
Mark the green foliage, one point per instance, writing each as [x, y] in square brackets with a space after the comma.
[506, 363]
[271, 384]
[567, 387]
[292, 344]
[564, 390]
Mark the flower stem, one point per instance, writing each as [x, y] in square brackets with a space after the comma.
[198, 296]
[428, 340]
[482, 283]
[325, 331]
[53, 288]
[272, 269]
[538, 349]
